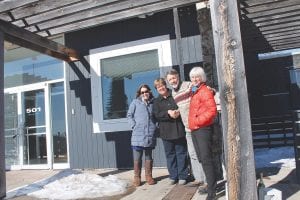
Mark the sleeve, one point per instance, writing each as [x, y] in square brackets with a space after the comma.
[160, 114]
[130, 114]
[209, 108]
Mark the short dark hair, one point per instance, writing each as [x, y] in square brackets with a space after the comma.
[172, 72]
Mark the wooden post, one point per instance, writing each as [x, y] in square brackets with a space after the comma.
[2, 138]
[207, 44]
[239, 156]
[178, 43]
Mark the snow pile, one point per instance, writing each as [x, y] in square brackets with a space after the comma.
[78, 186]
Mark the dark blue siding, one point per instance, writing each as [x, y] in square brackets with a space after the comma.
[106, 150]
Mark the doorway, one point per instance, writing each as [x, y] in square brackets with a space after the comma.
[35, 133]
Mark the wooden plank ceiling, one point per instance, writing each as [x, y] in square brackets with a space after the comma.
[270, 25]
[267, 25]
[53, 17]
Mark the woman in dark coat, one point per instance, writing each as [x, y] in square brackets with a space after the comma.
[143, 139]
[172, 133]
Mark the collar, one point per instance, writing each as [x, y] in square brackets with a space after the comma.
[178, 87]
[160, 97]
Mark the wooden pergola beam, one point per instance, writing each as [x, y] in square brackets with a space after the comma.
[112, 17]
[24, 38]
[239, 156]
[10, 4]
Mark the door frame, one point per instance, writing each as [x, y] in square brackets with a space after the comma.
[49, 140]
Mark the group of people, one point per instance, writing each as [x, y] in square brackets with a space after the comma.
[183, 116]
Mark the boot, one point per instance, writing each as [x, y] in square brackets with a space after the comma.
[137, 173]
[148, 172]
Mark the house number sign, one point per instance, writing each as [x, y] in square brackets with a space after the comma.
[33, 110]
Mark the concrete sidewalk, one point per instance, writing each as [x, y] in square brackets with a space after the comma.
[283, 179]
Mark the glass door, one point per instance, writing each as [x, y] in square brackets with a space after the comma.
[34, 137]
[25, 129]
[35, 127]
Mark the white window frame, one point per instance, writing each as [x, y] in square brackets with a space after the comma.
[162, 44]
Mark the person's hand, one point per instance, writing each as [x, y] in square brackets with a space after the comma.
[174, 113]
[171, 113]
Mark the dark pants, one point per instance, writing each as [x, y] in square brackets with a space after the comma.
[203, 146]
[138, 154]
[176, 154]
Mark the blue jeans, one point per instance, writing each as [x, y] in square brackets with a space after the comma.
[176, 155]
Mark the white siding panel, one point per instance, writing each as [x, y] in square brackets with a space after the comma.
[185, 49]
[191, 47]
[174, 52]
[197, 43]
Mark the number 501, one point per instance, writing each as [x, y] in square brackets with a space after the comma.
[33, 110]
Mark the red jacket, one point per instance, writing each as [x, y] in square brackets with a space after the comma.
[203, 108]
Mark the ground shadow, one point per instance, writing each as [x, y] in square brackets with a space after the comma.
[266, 172]
[117, 171]
[288, 185]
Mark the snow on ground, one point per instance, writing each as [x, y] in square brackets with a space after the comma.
[72, 184]
[75, 184]
[78, 186]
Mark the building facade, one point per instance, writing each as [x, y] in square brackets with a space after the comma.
[60, 115]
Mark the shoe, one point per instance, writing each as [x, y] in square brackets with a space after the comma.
[181, 182]
[203, 189]
[172, 181]
[211, 197]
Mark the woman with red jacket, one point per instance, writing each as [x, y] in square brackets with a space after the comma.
[203, 111]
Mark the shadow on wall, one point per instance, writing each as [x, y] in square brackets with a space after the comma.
[83, 92]
[123, 152]
[82, 86]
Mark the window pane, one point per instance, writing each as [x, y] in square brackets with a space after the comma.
[33, 69]
[121, 76]
[58, 123]
[23, 66]
[11, 129]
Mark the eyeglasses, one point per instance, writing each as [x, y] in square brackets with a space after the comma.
[143, 92]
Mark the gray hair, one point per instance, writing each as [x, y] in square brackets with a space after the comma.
[198, 71]
[172, 72]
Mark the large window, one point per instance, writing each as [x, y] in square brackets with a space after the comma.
[23, 66]
[117, 72]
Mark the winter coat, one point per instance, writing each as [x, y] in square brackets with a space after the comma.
[169, 128]
[203, 109]
[142, 122]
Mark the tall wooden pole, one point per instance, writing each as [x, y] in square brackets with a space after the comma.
[207, 44]
[2, 138]
[236, 124]
[178, 41]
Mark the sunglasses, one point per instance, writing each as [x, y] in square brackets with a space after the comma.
[143, 92]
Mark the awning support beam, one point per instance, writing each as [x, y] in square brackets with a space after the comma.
[27, 39]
